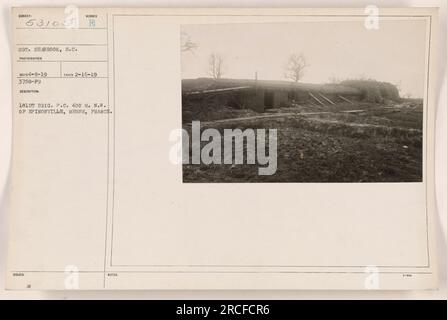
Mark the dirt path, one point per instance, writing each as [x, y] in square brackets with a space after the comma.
[267, 116]
[286, 114]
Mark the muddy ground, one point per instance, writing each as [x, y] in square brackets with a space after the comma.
[358, 142]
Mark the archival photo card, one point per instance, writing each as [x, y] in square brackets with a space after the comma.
[223, 149]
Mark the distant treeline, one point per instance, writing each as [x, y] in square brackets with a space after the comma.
[374, 91]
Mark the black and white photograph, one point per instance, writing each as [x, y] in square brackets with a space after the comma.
[245, 152]
[331, 101]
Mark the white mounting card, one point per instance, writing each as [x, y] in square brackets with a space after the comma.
[223, 148]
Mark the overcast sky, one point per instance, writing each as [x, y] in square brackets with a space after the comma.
[395, 53]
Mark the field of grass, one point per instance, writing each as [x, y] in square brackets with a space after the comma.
[362, 142]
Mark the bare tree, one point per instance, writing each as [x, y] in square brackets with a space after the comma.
[215, 64]
[399, 86]
[186, 43]
[295, 66]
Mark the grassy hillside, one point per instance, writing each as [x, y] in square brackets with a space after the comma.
[189, 85]
[374, 91]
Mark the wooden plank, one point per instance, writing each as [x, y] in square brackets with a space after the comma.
[268, 116]
[353, 111]
[217, 90]
[326, 98]
[344, 99]
[316, 99]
